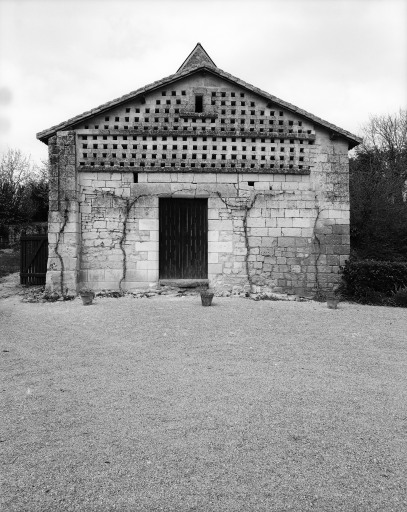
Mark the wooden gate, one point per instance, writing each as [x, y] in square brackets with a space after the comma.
[183, 236]
[34, 257]
[4, 238]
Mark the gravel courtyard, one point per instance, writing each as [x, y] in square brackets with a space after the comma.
[162, 405]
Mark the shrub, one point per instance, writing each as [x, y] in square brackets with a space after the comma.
[400, 297]
[86, 291]
[372, 282]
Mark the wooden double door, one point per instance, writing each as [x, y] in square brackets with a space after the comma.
[183, 238]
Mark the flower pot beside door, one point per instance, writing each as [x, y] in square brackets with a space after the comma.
[87, 296]
[206, 297]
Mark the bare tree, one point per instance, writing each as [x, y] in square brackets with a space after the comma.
[386, 138]
[387, 133]
[378, 189]
[23, 187]
[15, 168]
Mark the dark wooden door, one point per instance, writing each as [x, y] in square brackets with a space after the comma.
[183, 238]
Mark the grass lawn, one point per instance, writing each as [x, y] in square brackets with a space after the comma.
[9, 261]
[162, 405]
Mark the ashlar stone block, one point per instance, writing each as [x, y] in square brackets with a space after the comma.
[148, 224]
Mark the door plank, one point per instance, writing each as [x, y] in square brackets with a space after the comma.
[183, 238]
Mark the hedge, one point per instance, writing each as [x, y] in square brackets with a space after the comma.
[372, 281]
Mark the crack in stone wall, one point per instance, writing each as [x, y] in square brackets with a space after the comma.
[56, 248]
[245, 208]
[128, 205]
[318, 255]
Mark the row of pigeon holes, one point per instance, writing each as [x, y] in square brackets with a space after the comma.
[176, 100]
[211, 120]
[233, 165]
[213, 129]
[225, 120]
[251, 114]
[127, 143]
[160, 114]
[241, 148]
[187, 125]
[291, 152]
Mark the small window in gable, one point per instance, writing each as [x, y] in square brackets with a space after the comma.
[198, 103]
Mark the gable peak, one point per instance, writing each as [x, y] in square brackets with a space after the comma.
[198, 57]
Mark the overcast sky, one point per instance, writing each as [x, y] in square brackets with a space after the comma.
[342, 60]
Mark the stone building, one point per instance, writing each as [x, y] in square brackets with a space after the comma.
[198, 176]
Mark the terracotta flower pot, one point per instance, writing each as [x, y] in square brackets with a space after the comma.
[332, 302]
[87, 298]
[206, 298]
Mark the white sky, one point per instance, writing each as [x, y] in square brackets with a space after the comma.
[342, 60]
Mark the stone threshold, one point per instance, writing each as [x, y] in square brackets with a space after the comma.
[184, 283]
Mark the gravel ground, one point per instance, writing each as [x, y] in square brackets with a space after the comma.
[10, 286]
[162, 405]
[9, 261]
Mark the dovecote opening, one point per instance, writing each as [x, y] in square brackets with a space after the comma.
[199, 103]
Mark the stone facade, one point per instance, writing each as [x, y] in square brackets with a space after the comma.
[275, 177]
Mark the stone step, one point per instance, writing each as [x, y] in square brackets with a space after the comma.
[185, 283]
